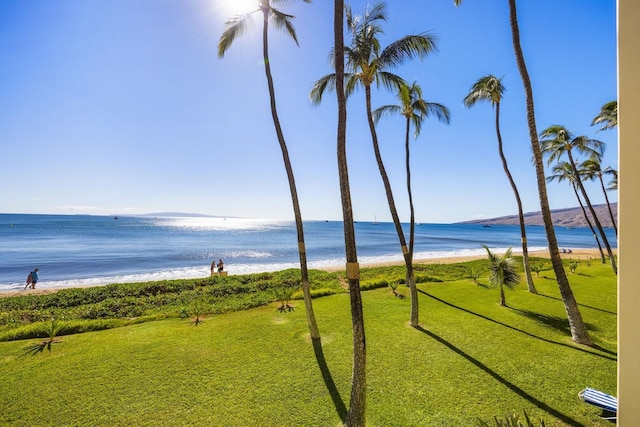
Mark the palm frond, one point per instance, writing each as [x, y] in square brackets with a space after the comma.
[441, 112]
[608, 116]
[487, 88]
[389, 80]
[234, 27]
[319, 87]
[282, 21]
[352, 81]
[406, 48]
[386, 110]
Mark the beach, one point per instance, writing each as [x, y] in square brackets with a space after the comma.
[582, 254]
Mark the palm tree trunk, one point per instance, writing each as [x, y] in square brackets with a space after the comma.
[394, 213]
[311, 320]
[579, 331]
[593, 213]
[523, 230]
[412, 223]
[586, 217]
[503, 300]
[604, 190]
[410, 278]
[356, 417]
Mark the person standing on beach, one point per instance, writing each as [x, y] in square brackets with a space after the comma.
[32, 279]
[214, 269]
[220, 266]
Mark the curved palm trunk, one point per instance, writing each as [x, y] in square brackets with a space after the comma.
[311, 320]
[604, 191]
[356, 417]
[523, 231]
[394, 213]
[586, 217]
[412, 222]
[593, 213]
[579, 331]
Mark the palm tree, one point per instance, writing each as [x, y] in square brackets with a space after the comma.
[235, 27]
[559, 141]
[613, 184]
[490, 88]
[578, 329]
[415, 110]
[608, 116]
[562, 171]
[503, 272]
[369, 64]
[591, 169]
[356, 416]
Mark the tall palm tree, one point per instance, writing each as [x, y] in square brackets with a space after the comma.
[578, 329]
[591, 169]
[563, 171]
[369, 64]
[356, 416]
[414, 109]
[613, 184]
[559, 141]
[490, 88]
[235, 27]
[503, 272]
[608, 116]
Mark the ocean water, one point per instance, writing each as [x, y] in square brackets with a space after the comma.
[81, 250]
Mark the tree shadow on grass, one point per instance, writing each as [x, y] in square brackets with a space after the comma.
[581, 305]
[341, 409]
[514, 388]
[559, 323]
[528, 333]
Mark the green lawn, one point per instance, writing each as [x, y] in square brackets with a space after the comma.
[471, 359]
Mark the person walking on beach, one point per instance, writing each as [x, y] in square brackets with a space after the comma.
[32, 279]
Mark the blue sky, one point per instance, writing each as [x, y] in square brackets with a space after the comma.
[123, 107]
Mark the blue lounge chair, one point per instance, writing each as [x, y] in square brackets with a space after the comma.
[607, 403]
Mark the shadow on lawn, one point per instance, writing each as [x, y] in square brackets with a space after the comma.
[555, 322]
[525, 332]
[514, 388]
[341, 409]
[582, 305]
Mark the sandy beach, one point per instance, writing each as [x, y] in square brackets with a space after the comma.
[577, 254]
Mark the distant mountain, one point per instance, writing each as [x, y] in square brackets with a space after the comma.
[570, 217]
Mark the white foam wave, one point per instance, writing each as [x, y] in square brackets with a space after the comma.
[249, 268]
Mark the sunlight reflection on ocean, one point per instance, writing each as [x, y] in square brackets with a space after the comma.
[219, 224]
[85, 250]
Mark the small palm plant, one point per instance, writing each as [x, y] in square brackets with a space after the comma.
[394, 289]
[52, 329]
[503, 272]
[537, 268]
[573, 266]
[197, 313]
[474, 275]
[284, 294]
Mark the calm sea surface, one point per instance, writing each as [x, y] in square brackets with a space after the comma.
[80, 250]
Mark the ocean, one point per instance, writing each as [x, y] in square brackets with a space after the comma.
[84, 250]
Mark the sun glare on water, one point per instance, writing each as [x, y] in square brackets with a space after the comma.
[237, 7]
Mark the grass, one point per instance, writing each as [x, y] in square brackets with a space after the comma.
[470, 359]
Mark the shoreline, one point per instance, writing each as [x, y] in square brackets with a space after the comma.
[578, 254]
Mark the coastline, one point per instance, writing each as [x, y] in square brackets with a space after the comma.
[577, 254]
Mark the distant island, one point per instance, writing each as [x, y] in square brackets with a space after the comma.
[570, 217]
